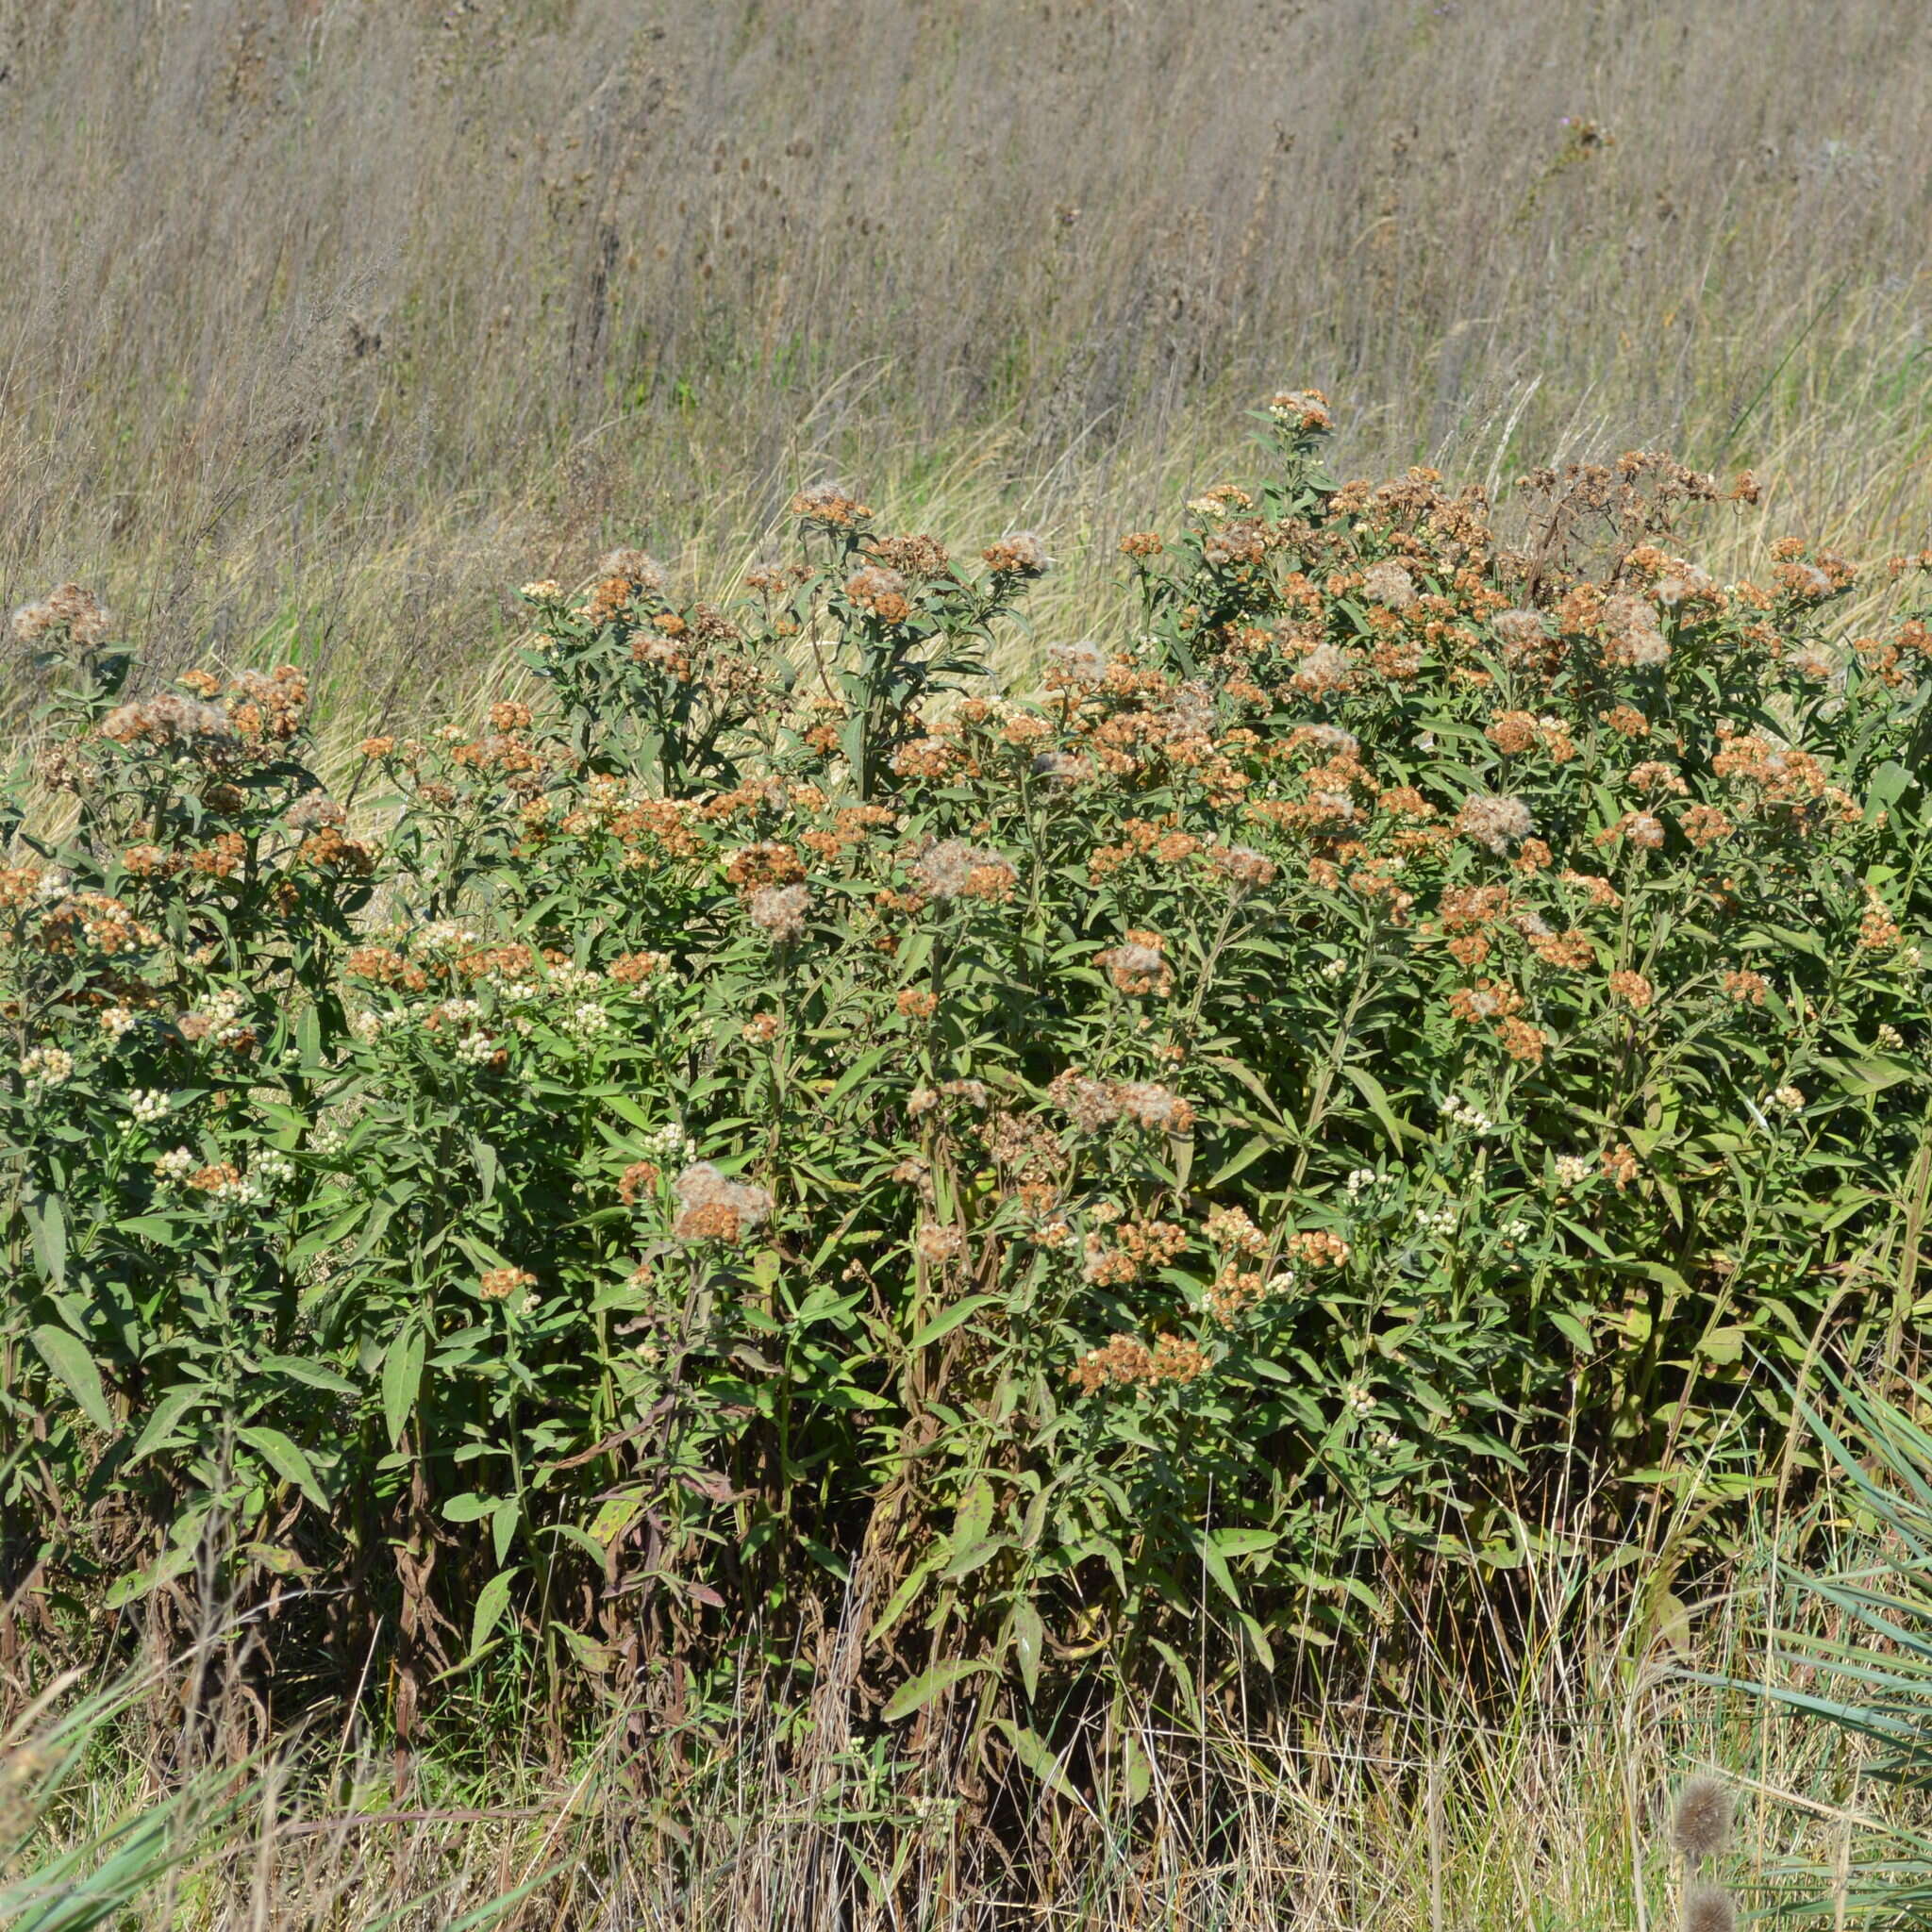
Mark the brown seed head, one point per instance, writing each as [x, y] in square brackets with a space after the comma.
[1709, 1909]
[1700, 1818]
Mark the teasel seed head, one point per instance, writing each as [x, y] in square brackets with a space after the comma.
[1700, 1818]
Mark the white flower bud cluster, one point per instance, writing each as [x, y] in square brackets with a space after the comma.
[271, 1169]
[47, 1066]
[668, 1144]
[1466, 1114]
[476, 1049]
[216, 1020]
[585, 1021]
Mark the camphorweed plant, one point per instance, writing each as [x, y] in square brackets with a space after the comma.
[778, 1137]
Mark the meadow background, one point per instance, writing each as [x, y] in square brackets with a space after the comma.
[327, 326]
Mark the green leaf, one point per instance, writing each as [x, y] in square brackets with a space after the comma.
[69, 1358]
[1244, 1542]
[614, 1516]
[858, 1072]
[944, 1322]
[1258, 1642]
[968, 1557]
[930, 1684]
[309, 1039]
[504, 1520]
[286, 1461]
[1029, 1645]
[1723, 1345]
[1033, 1752]
[166, 1413]
[1216, 1566]
[1183, 1677]
[402, 1377]
[1376, 1095]
[1572, 1329]
[137, 1584]
[1889, 784]
[902, 1598]
[152, 1228]
[490, 1602]
[311, 1373]
[593, 1657]
[48, 1224]
[485, 1166]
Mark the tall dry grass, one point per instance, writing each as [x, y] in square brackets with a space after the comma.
[1401, 1805]
[326, 322]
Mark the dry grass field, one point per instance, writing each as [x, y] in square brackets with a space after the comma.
[327, 322]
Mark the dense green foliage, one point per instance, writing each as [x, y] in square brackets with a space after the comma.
[772, 1119]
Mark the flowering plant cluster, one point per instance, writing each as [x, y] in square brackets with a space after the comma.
[775, 1114]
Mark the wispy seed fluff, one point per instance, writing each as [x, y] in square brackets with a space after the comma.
[1521, 633]
[635, 567]
[1709, 1909]
[951, 869]
[1061, 767]
[1494, 821]
[1019, 553]
[1700, 1818]
[1155, 1107]
[710, 1208]
[313, 811]
[1389, 584]
[168, 720]
[1083, 663]
[779, 912]
[79, 613]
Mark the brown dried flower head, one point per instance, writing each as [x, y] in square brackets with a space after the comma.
[1388, 584]
[1136, 965]
[71, 610]
[780, 912]
[636, 568]
[1075, 667]
[499, 1284]
[1018, 554]
[1494, 822]
[714, 1207]
[1155, 1107]
[951, 869]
